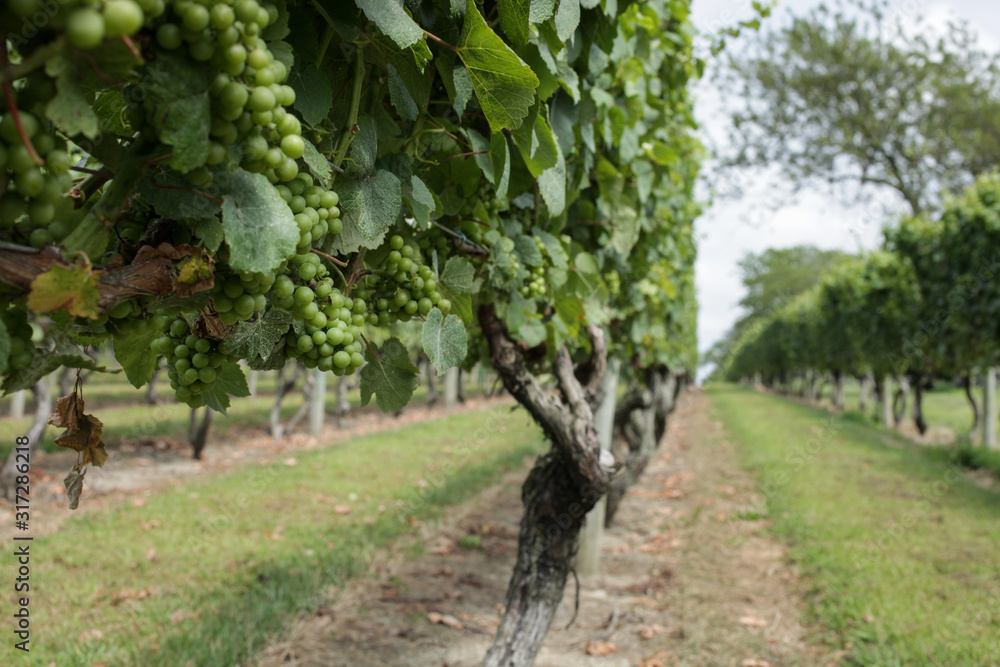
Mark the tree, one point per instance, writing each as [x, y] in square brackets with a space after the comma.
[845, 95]
[288, 183]
[773, 279]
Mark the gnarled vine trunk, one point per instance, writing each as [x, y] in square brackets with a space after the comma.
[563, 486]
[899, 401]
[967, 386]
[198, 431]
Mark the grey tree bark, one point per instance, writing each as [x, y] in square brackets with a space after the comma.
[563, 486]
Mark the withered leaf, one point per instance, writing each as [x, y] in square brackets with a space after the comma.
[74, 486]
[83, 432]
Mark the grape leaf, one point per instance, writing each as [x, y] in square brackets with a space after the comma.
[177, 91]
[527, 251]
[4, 347]
[500, 157]
[134, 354]
[532, 332]
[455, 285]
[541, 10]
[83, 432]
[70, 109]
[63, 353]
[537, 146]
[423, 203]
[364, 149]
[279, 29]
[256, 338]
[209, 230]
[317, 163]
[445, 340]
[260, 229]
[391, 376]
[552, 185]
[369, 206]
[175, 199]
[481, 146]
[514, 20]
[554, 247]
[392, 20]
[504, 84]
[230, 382]
[567, 18]
[400, 96]
[313, 94]
[112, 110]
[73, 289]
[463, 88]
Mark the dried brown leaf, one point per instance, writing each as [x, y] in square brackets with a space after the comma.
[445, 619]
[601, 648]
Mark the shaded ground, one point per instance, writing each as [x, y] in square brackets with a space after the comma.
[690, 576]
[136, 469]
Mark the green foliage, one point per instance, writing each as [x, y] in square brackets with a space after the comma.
[846, 93]
[285, 180]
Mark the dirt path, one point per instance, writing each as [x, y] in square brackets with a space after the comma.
[690, 577]
[137, 469]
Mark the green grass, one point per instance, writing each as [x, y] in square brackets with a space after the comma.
[900, 549]
[219, 572]
[170, 419]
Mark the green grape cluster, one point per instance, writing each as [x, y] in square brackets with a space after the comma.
[314, 207]
[249, 99]
[193, 363]
[22, 348]
[34, 202]
[329, 336]
[238, 297]
[86, 25]
[434, 239]
[536, 277]
[403, 288]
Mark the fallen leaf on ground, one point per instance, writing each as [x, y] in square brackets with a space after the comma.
[291, 462]
[650, 631]
[753, 621]
[445, 619]
[655, 660]
[87, 635]
[138, 502]
[443, 547]
[600, 648]
[342, 509]
[754, 662]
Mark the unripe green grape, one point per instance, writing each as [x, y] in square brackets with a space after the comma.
[85, 28]
[122, 17]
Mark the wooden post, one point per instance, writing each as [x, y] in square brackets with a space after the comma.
[317, 403]
[451, 387]
[990, 409]
[252, 382]
[17, 404]
[887, 402]
[588, 556]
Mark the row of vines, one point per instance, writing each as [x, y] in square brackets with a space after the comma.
[210, 181]
[924, 307]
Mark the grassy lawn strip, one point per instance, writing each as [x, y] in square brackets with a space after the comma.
[230, 559]
[901, 550]
[170, 419]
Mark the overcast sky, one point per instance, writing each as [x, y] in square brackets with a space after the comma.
[735, 226]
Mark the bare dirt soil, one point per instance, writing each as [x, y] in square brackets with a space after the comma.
[690, 576]
[137, 469]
